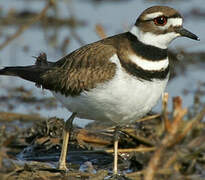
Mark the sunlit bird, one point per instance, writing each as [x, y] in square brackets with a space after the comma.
[114, 80]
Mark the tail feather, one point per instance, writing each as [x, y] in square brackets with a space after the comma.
[31, 73]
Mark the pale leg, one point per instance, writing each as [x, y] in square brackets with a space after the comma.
[116, 136]
[66, 133]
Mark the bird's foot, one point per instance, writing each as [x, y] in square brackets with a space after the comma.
[62, 167]
[116, 177]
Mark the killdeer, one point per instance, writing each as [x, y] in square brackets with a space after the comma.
[117, 79]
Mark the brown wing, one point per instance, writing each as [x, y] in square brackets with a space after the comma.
[81, 70]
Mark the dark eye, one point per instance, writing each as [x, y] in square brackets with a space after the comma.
[160, 21]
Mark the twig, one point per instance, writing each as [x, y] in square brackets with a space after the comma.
[168, 140]
[140, 120]
[170, 161]
[139, 174]
[190, 125]
[165, 102]
[77, 37]
[140, 149]
[26, 26]
[100, 31]
[166, 122]
[7, 116]
[148, 118]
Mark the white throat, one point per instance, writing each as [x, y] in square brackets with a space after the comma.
[157, 40]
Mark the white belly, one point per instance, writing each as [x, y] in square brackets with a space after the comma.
[120, 100]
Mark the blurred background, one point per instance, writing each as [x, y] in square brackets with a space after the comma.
[29, 27]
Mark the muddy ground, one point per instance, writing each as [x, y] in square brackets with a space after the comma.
[31, 145]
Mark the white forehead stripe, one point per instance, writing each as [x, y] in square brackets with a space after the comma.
[149, 65]
[153, 15]
[175, 21]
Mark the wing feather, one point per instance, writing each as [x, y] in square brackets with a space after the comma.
[81, 70]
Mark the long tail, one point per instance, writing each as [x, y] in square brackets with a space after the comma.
[31, 73]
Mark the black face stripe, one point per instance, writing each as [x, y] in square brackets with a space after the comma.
[148, 52]
[142, 74]
[175, 16]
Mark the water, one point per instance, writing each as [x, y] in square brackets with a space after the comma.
[115, 18]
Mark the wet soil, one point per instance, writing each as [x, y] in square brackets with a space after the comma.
[30, 149]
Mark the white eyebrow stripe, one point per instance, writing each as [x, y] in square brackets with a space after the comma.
[153, 15]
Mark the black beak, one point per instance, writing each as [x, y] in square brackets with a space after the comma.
[184, 32]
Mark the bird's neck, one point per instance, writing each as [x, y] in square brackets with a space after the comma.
[158, 40]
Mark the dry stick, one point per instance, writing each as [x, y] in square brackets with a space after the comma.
[134, 175]
[177, 102]
[26, 26]
[100, 31]
[189, 126]
[140, 149]
[7, 116]
[185, 131]
[148, 118]
[74, 34]
[166, 122]
[141, 119]
[89, 137]
[165, 102]
[142, 139]
[77, 37]
[167, 141]
[170, 161]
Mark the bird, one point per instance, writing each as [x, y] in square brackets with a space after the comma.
[115, 80]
